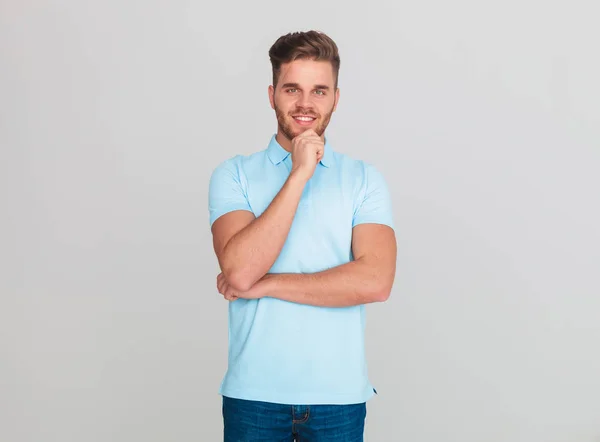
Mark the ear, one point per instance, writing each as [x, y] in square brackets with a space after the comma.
[272, 96]
[337, 98]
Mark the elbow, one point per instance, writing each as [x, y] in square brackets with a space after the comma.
[238, 281]
[384, 289]
[380, 281]
[237, 277]
[382, 295]
[382, 292]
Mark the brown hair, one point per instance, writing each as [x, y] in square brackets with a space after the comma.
[312, 45]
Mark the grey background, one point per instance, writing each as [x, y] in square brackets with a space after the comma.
[483, 118]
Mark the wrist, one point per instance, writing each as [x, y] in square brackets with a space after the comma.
[297, 177]
[266, 285]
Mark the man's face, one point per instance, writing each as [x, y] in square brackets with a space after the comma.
[305, 97]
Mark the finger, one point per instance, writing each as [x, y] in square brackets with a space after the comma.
[317, 145]
[311, 137]
[308, 133]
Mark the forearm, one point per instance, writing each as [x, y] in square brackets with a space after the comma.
[252, 251]
[357, 282]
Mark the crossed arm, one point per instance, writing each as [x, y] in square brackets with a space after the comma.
[366, 279]
[369, 278]
[247, 247]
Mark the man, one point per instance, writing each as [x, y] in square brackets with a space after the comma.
[304, 238]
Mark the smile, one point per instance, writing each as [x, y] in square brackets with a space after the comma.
[304, 120]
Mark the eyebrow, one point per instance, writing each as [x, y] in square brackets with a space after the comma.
[296, 85]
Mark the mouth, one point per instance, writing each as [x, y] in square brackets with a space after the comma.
[304, 120]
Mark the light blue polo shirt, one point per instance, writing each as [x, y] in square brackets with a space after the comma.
[286, 352]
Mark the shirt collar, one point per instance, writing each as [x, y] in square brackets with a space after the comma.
[277, 153]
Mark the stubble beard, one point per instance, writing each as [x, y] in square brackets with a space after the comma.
[285, 122]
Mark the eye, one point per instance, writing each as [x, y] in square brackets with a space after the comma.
[320, 92]
[291, 90]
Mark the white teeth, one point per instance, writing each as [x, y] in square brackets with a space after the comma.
[304, 118]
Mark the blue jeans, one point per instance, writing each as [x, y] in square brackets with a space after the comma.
[254, 421]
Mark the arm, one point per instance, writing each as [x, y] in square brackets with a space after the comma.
[369, 278]
[246, 247]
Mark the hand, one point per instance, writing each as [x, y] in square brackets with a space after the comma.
[307, 151]
[231, 294]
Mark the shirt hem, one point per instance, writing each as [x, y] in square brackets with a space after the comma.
[299, 399]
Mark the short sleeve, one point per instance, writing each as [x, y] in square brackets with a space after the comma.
[225, 191]
[374, 203]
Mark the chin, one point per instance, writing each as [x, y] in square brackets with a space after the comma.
[301, 129]
[293, 129]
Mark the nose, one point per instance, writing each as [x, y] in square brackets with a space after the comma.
[304, 100]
